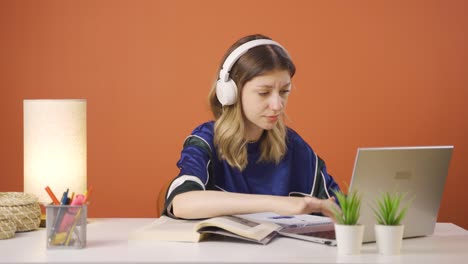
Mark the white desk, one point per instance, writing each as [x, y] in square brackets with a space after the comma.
[107, 242]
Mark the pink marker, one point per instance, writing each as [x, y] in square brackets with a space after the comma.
[69, 216]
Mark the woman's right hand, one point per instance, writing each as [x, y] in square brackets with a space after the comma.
[306, 205]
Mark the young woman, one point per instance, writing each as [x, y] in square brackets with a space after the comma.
[247, 160]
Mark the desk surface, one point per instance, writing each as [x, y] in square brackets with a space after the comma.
[107, 242]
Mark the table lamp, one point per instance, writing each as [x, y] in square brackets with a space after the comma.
[54, 147]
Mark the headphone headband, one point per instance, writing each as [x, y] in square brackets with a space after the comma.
[241, 50]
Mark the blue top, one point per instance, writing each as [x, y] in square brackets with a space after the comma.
[296, 174]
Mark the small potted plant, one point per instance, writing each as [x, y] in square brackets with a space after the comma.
[389, 230]
[349, 233]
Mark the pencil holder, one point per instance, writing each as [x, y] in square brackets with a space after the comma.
[66, 226]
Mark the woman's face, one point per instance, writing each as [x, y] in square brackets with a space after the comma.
[264, 99]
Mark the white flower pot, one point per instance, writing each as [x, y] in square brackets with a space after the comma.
[349, 238]
[389, 238]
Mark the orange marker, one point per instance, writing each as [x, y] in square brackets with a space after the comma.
[88, 193]
[52, 195]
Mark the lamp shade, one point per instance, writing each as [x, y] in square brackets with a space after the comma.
[54, 147]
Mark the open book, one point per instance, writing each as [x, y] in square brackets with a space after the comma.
[260, 228]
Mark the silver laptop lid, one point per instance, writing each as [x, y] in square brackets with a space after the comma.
[420, 172]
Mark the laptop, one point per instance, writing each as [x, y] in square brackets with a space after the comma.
[420, 172]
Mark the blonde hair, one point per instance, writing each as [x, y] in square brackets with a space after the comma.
[229, 130]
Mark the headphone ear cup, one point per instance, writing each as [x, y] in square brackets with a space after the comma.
[226, 92]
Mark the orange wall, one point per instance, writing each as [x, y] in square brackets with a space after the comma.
[370, 73]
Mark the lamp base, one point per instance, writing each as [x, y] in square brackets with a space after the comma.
[43, 221]
[43, 216]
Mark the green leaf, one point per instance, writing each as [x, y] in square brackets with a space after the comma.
[350, 208]
[387, 209]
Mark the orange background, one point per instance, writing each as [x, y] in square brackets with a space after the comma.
[370, 73]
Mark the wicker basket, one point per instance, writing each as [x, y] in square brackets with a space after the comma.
[7, 227]
[21, 208]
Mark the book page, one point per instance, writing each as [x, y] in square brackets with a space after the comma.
[312, 228]
[289, 221]
[219, 231]
[241, 226]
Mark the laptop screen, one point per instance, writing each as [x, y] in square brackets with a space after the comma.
[418, 172]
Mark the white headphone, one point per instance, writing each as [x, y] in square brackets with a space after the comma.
[226, 88]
